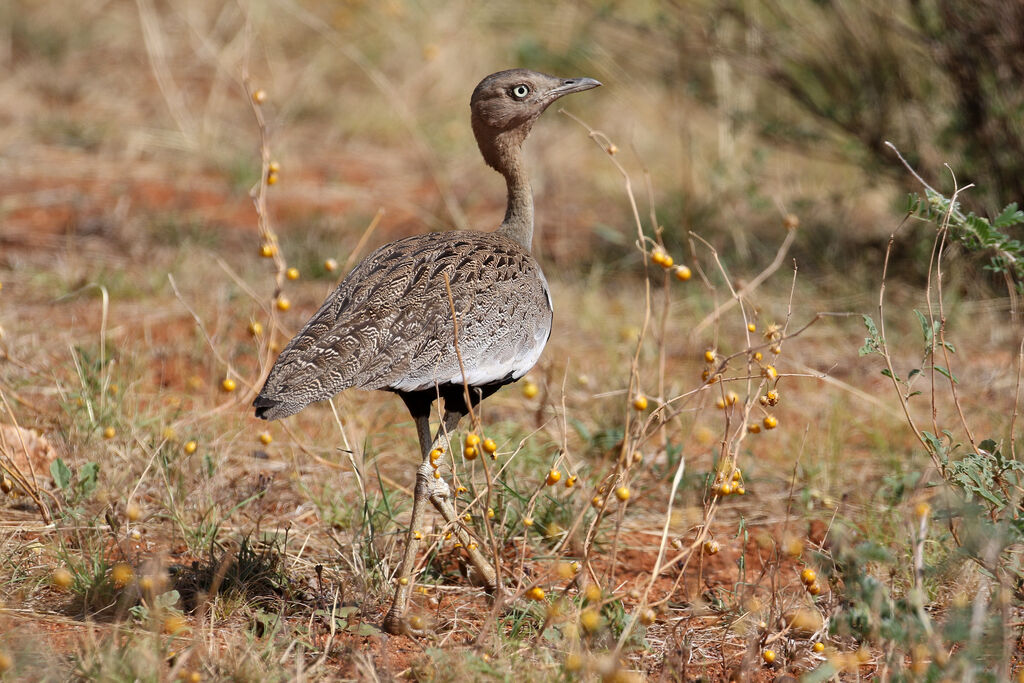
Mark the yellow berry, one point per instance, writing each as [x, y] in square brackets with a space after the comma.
[573, 662]
[725, 489]
[720, 403]
[647, 616]
[667, 261]
[490, 513]
[590, 619]
[770, 372]
[751, 327]
[554, 476]
[597, 502]
[292, 273]
[417, 536]
[622, 493]
[570, 482]
[808, 576]
[471, 546]
[489, 446]
[536, 593]
[768, 656]
[191, 447]
[273, 167]
[737, 474]
[267, 250]
[146, 583]
[922, 510]
[255, 328]
[819, 647]
[282, 303]
[682, 273]
[592, 592]
[194, 677]
[404, 581]
[461, 490]
[228, 384]
[265, 438]
[271, 179]
[658, 256]
[6, 485]
[472, 439]
[109, 433]
[174, 623]
[771, 422]
[133, 512]
[740, 491]
[773, 397]
[436, 453]
[527, 521]
[776, 349]
[711, 547]
[710, 355]
[791, 221]
[62, 578]
[469, 452]
[530, 390]
[121, 575]
[731, 398]
[437, 475]
[612, 149]
[6, 662]
[757, 355]
[814, 588]
[640, 402]
[330, 265]
[259, 96]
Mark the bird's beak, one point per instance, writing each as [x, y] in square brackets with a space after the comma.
[571, 85]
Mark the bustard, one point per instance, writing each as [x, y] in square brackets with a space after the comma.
[389, 324]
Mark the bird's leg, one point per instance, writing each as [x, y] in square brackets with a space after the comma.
[394, 622]
[440, 497]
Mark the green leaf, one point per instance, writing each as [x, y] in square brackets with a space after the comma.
[61, 473]
[943, 371]
[167, 600]
[926, 327]
[87, 478]
[365, 629]
[1009, 217]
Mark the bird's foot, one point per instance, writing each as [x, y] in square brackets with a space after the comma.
[433, 484]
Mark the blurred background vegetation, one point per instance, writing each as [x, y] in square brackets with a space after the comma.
[741, 111]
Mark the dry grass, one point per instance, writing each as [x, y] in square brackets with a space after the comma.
[131, 276]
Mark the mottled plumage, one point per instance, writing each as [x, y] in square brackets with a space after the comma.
[388, 325]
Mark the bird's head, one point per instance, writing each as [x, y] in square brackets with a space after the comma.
[505, 105]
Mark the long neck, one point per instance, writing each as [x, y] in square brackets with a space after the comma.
[518, 223]
[503, 152]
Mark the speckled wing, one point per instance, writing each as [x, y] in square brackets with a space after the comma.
[388, 325]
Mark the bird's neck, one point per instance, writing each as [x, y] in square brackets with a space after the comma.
[518, 223]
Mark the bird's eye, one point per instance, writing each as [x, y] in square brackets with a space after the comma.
[520, 91]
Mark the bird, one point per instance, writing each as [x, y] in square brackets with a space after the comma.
[450, 316]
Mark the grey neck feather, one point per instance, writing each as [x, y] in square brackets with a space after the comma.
[518, 223]
[503, 152]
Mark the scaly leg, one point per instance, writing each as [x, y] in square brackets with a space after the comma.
[440, 497]
[429, 487]
[394, 622]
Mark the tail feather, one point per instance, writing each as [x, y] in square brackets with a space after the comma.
[265, 407]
